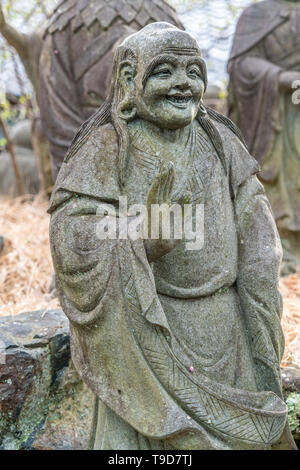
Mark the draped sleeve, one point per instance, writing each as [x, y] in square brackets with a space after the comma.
[259, 257]
[257, 282]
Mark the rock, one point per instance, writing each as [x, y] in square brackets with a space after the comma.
[28, 169]
[70, 415]
[20, 134]
[26, 373]
[290, 380]
[43, 402]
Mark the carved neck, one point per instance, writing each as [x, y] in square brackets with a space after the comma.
[164, 135]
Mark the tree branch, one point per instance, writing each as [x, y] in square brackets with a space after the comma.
[18, 40]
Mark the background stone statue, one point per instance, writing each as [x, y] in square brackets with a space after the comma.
[264, 63]
[69, 64]
[180, 345]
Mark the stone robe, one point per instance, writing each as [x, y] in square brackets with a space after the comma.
[267, 42]
[137, 329]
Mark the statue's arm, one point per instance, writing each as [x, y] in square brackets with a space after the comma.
[82, 261]
[257, 281]
[253, 68]
[254, 65]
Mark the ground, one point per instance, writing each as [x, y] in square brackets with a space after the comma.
[26, 270]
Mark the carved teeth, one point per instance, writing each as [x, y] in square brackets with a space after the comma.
[179, 98]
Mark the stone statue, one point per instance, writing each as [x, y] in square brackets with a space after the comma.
[69, 63]
[264, 65]
[179, 340]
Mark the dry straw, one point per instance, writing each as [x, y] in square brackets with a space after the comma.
[26, 269]
[25, 264]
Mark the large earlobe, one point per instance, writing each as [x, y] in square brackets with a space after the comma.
[126, 75]
[127, 106]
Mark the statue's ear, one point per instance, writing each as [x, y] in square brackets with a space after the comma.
[126, 76]
[127, 107]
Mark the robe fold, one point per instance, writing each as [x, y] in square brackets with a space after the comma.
[267, 43]
[182, 353]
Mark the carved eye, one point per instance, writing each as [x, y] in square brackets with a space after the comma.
[92, 94]
[161, 72]
[195, 72]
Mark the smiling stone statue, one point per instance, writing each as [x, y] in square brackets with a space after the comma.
[180, 342]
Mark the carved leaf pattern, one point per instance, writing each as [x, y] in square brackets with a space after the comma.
[203, 406]
[106, 12]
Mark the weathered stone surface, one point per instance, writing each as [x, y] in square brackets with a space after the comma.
[70, 414]
[43, 402]
[35, 347]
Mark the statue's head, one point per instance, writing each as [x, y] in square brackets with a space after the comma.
[159, 76]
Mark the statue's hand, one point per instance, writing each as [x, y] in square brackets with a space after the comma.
[287, 80]
[160, 193]
[162, 185]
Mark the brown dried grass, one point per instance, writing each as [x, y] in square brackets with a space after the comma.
[26, 269]
[290, 290]
[25, 264]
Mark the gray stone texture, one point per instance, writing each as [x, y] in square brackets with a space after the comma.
[43, 403]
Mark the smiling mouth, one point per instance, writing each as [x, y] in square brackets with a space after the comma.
[179, 100]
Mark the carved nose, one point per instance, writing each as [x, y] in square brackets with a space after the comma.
[183, 83]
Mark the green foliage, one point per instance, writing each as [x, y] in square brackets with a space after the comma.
[2, 143]
[293, 404]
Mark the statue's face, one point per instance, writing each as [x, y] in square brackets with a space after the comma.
[172, 93]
